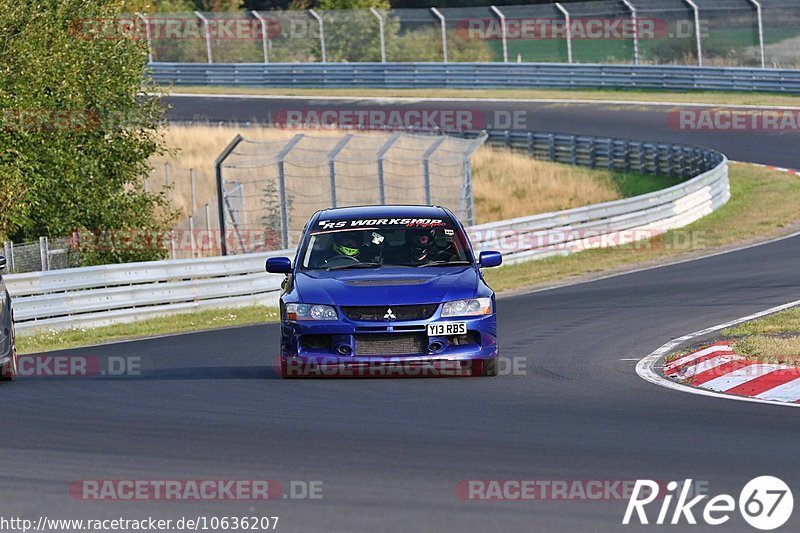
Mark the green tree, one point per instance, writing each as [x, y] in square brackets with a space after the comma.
[78, 129]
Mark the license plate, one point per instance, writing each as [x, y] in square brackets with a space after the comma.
[447, 328]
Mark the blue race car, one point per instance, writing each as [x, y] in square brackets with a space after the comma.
[386, 291]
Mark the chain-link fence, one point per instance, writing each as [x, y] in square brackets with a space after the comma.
[46, 254]
[271, 188]
[709, 32]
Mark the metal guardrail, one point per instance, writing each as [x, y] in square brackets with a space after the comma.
[108, 294]
[102, 295]
[478, 75]
[610, 223]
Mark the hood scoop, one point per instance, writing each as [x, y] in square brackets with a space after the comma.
[386, 282]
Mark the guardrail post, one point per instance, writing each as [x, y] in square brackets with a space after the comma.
[507, 137]
[635, 21]
[44, 254]
[426, 168]
[642, 159]
[592, 154]
[381, 154]
[207, 34]
[332, 164]
[9, 255]
[627, 157]
[530, 143]
[682, 161]
[382, 34]
[281, 160]
[656, 159]
[444, 32]
[264, 36]
[551, 147]
[321, 34]
[697, 31]
[220, 190]
[568, 21]
[504, 30]
[147, 35]
[573, 150]
[760, 32]
[610, 154]
[671, 160]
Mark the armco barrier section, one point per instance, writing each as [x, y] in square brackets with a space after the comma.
[478, 75]
[103, 295]
[109, 294]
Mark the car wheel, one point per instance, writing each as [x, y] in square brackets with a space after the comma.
[485, 367]
[9, 370]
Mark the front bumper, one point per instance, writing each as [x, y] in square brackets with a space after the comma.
[321, 349]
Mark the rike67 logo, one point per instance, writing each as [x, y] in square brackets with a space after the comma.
[765, 503]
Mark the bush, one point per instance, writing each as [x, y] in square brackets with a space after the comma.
[77, 128]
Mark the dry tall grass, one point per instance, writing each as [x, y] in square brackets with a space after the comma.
[509, 184]
[506, 184]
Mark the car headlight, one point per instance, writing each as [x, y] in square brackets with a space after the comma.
[310, 312]
[471, 307]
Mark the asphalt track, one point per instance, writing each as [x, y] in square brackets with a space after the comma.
[390, 452]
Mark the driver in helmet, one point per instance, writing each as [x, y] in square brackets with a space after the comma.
[420, 244]
[420, 248]
[347, 243]
[344, 246]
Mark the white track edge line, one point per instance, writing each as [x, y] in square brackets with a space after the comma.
[491, 100]
[645, 367]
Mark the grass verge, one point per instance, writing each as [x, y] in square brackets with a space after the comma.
[696, 97]
[41, 341]
[772, 339]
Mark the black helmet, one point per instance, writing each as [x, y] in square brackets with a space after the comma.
[420, 241]
[347, 243]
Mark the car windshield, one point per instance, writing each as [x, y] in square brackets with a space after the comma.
[378, 245]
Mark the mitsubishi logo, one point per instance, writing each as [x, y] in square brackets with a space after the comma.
[389, 315]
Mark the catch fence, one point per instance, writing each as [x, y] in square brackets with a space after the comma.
[745, 33]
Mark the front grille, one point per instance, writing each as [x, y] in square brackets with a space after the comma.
[381, 312]
[391, 344]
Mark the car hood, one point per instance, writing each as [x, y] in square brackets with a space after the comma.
[387, 286]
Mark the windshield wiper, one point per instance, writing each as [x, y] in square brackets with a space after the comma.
[446, 263]
[355, 265]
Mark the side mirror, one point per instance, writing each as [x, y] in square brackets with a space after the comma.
[490, 259]
[3, 263]
[279, 265]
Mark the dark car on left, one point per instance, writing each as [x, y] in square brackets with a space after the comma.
[8, 346]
